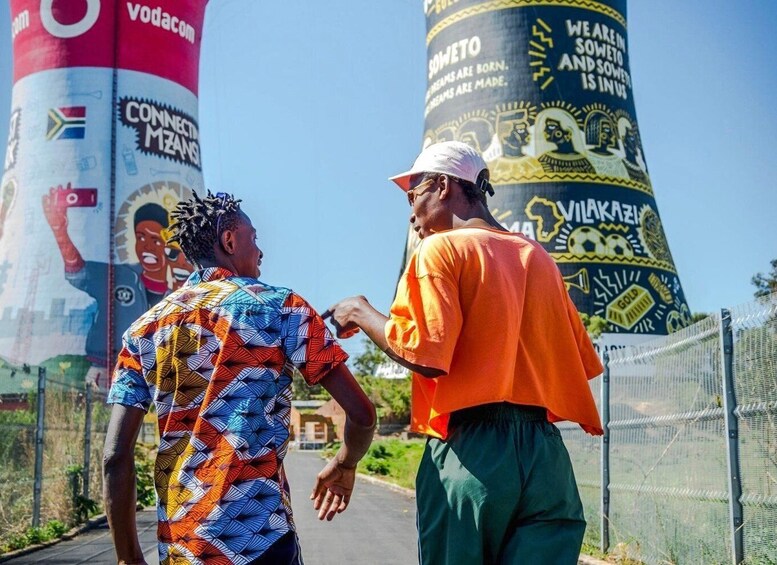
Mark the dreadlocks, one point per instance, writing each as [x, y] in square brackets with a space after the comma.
[199, 222]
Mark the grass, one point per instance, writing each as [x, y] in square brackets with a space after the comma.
[52, 530]
[394, 460]
[63, 456]
[593, 551]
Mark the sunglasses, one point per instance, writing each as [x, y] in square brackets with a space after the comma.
[412, 194]
[172, 253]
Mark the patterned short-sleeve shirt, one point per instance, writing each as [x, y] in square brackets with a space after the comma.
[216, 359]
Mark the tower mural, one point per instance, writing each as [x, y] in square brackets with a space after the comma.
[103, 143]
[543, 90]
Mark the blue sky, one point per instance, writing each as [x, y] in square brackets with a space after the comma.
[307, 107]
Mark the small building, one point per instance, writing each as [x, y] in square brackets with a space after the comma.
[335, 413]
[309, 429]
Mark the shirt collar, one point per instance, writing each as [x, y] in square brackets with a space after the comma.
[207, 275]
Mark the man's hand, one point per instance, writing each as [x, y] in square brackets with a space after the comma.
[344, 315]
[334, 484]
[332, 491]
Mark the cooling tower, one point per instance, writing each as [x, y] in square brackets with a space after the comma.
[543, 89]
[103, 143]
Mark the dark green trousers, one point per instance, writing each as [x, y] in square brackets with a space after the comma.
[499, 490]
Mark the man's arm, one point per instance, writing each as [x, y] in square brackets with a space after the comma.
[119, 490]
[334, 484]
[56, 216]
[351, 314]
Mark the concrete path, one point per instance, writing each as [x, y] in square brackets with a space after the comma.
[94, 547]
[378, 528]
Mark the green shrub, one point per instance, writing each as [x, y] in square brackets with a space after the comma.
[144, 476]
[376, 466]
[34, 535]
[378, 451]
[55, 529]
[394, 459]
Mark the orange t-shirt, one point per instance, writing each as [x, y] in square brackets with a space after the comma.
[490, 309]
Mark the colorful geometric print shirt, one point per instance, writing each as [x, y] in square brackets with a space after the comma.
[216, 359]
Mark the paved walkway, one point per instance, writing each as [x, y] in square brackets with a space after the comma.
[94, 546]
[378, 528]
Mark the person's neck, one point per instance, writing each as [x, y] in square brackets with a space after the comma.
[207, 264]
[478, 219]
[154, 286]
[565, 148]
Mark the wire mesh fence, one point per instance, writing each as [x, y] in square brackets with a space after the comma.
[687, 472]
[51, 442]
[754, 331]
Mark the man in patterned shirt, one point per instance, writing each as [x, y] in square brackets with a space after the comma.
[216, 357]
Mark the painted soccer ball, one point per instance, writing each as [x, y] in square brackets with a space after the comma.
[674, 322]
[619, 246]
[586, 240]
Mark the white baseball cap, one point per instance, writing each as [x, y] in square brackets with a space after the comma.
[448, 157]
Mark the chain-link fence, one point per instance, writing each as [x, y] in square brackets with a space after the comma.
[51, 441]
[687, 469]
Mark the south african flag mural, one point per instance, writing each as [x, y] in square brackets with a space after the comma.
[67, 122]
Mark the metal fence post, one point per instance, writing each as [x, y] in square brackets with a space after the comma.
[38, 484]
[732, 435]
[87, 439]
[605, 396]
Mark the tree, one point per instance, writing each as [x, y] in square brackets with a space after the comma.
[699, 316]
[594, 325]
[390, 396]
[765, 284]
[371, 358]
[300, 390]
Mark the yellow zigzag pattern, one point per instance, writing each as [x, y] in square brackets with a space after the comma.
[578, 177]
[613, 227]
[537, 32]
[539, 74]
[507, 4]
[610, 260]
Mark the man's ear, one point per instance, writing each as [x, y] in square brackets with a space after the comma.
[445, 186]
[228, 242]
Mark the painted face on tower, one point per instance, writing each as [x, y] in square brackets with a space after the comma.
[150, 246]
[519, 134]
[553, 131]
[180, 268]
[630, 140]
[606, 134]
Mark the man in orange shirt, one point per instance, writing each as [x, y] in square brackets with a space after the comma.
[498, 352]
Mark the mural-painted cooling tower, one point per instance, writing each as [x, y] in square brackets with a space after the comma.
[103, 142]
[542, 88]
